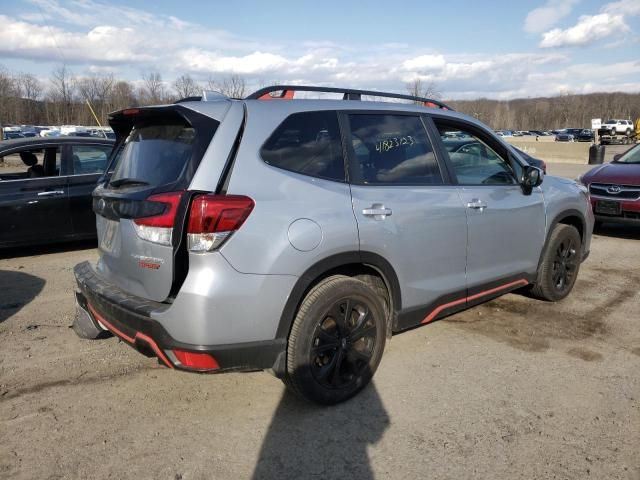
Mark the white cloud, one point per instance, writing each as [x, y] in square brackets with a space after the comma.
[589, 29]
[95, 38]
[541, 18]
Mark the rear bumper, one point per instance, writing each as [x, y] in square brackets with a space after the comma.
[128, 317]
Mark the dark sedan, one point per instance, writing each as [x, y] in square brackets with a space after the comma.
[615, 188]
[45, 188]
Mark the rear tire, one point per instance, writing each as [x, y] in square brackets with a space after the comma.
[336, 340]
[560, 264]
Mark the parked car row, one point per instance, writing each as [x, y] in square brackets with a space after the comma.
[28, 131]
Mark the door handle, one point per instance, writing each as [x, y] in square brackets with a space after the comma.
[477, 204]
[378, 211]
[51, 193]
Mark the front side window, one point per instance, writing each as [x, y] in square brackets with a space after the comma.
[89, 158]
[391, 150]
[474, 162]
[307, 143]
[31, 163]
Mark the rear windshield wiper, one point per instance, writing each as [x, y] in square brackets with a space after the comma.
[127, 181]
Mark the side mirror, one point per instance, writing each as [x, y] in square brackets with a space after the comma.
[616, 157]
[531, 178]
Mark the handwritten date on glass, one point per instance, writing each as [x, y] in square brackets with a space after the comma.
[394, 142]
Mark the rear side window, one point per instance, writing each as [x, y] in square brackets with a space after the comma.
[307, 143]
[89, 158]
[154, 153]
[391, 150]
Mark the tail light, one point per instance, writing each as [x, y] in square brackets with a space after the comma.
[213, 218]
[158, 227]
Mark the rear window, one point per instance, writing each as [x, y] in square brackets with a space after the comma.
[154, 153]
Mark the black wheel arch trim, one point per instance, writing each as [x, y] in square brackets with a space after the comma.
[317, 270]
[558, 220]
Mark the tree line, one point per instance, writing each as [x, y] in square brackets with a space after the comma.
[26, 99]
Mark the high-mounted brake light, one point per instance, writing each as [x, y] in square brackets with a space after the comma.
[213, 218]
[159, 228]
[131, 111]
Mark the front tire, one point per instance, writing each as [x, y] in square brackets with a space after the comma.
[336, 340]
[560, 264]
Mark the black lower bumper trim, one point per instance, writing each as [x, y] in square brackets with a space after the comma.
[130, 324]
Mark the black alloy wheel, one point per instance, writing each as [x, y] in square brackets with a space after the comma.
[336, 340]
[565, 264]
[343, 343]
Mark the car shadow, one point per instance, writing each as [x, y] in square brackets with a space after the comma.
[30, 251]
[618, 230]
[17, 289]
[309, 441]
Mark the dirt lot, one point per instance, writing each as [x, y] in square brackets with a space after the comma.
[516, 388]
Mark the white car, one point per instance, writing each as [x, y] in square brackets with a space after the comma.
[618, 127]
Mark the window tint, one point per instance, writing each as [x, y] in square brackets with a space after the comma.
[155, 153]
[391, 149]
[473, 161]
[89, 158]
[307, 143]
[31, 163]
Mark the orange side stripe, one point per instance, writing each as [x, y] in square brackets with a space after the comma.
[440, 308]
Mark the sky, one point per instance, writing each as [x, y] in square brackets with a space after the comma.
[467, 49]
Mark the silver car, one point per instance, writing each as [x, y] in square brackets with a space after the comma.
[298, 235]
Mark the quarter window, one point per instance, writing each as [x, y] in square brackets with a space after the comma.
[307, 143]
[474, 162]
[391, 150]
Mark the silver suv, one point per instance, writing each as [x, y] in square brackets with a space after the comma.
[298, 235]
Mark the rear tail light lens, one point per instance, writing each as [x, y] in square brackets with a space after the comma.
[213, 218]
[159, 228]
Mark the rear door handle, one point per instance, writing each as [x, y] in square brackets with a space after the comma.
[378, 211]
[51, 193]
[477, 204]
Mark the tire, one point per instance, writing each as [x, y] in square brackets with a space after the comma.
[613, 131]
[336, 341]
[560, 264]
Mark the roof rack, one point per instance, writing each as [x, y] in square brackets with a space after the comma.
[287, 93]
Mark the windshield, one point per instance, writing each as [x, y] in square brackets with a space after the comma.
[154, 153]
[632, 156]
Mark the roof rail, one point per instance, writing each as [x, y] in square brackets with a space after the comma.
[287, 93]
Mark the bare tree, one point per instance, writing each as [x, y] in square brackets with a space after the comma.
[63, 88]
[417, 88]
[186, 86]
[30, 92]
[153, 91]
[233, 86]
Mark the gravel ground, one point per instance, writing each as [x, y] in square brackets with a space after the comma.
[515, 388]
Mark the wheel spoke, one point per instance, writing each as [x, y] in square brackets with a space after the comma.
[363, 331]
[334, 378]
[355, 354]
[325, 347]
[327, 370]
[326, 337]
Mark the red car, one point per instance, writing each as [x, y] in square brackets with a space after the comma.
[615, 188]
